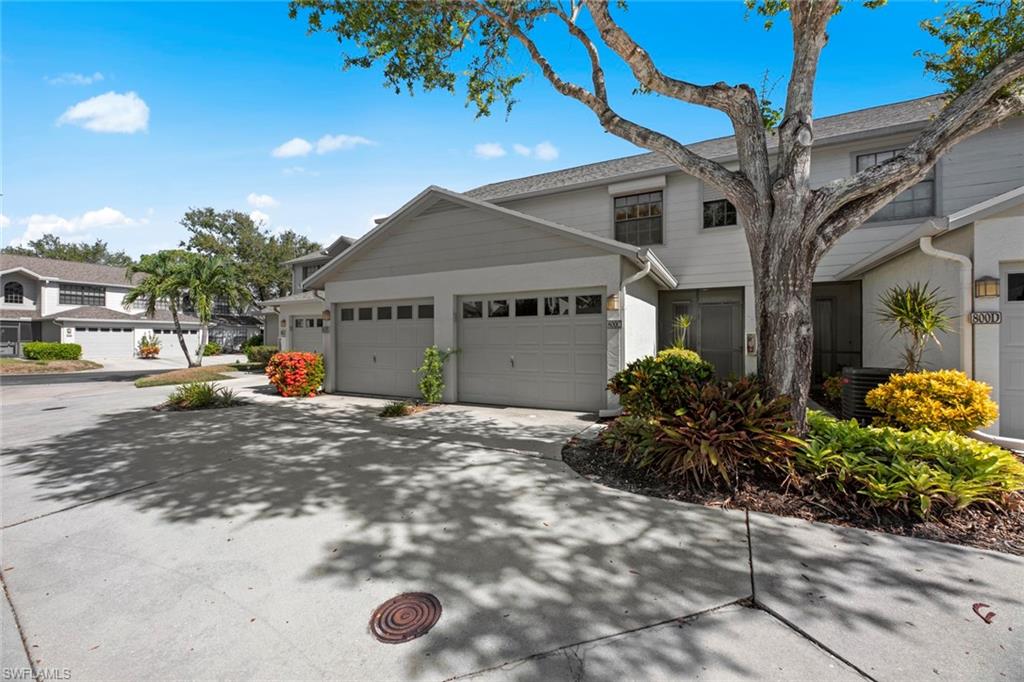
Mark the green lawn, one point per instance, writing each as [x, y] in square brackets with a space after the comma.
[184, 376]
[22, 366]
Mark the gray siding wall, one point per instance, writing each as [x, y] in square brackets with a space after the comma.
[983, 166]
[458, 240]
[880, 349]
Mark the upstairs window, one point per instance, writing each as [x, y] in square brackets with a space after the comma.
[308, 270]
[638, 218]
[14, 293]
[82, 294]
[916, 202]
[717, 210]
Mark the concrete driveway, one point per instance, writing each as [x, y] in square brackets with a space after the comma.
[256, 542]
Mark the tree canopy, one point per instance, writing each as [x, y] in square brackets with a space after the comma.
[51, 246]
[257, 253]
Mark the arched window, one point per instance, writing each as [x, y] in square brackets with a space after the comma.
[14, 293]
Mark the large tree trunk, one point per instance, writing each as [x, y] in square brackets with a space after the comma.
[783, 275]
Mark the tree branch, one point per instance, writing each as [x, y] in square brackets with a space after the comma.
[734, 185]
[977, 108]
[857, 210]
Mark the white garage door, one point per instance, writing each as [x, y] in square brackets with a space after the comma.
[1011, 354]
[170, 347]
[380, 345]
[307, 334]
[538, 349]
[102, 343]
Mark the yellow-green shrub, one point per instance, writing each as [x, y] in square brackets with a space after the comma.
[944, 400]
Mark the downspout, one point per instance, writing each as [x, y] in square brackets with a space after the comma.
[966, 301]
[621, 361]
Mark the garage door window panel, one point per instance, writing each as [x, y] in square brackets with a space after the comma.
[556, 305]
[403, 312]
[472, 309]
[526, 307]
[347, 314]
[365, 314]
[384, 312]
[497, 308]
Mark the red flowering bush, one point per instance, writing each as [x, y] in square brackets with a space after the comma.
[296, 374]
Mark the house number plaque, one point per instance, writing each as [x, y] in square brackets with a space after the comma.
[615, 324]
[987, 317]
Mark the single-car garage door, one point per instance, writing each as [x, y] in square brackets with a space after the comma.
[380, 345]
[538, 349]
[1011, 354]
[99, 343]
[307, 334]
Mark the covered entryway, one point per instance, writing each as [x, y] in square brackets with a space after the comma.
[100, 343]
[381, 344]
[716, 325]
[306, 333]
[1011, 353]
[536, 349]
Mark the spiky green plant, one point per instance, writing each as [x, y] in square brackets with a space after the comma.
[917, 312]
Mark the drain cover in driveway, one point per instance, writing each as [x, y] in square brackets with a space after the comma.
[405, 617]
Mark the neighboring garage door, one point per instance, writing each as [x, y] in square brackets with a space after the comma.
[307, 334]
[380, 346]
[538, 349]
[170, 347]
[99, 343]
[1011, 354]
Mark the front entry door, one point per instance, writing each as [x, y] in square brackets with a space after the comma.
[10, 337]
[716, 325]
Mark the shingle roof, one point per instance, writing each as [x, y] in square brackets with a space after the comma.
[826, 129]
[68, 271]
[332, 249]
[301, 297]
[18, 314]
[90, 312]
[165, 316]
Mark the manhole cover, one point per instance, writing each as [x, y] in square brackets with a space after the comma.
[405, 617]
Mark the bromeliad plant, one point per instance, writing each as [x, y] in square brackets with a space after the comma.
[944, 400]
[149, 346]
[918, 313]
[296, 374]
[920, 471]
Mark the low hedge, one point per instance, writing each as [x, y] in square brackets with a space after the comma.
[46, 350]
[260, 354]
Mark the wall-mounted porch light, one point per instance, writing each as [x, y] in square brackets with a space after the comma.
[612, 303]
[985, 287]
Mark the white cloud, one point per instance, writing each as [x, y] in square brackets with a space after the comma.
[261, 200]
[4, 221]
[330, 143]
[545, 151]
[39, 224]
[293, 147]
[299, 170]
[109, 113]
[260, 217]
[489, 150]
[75, 79]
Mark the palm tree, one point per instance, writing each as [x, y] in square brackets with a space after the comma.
[164, 282]
[918, 312]
[209, 280]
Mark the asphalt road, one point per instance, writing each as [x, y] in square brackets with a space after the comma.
[73, 377]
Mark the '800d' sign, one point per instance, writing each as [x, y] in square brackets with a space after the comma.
[987, 317]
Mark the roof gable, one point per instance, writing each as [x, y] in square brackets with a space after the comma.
[555, 241]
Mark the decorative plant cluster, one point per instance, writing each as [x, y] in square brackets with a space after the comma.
[212, 348]
[832, 387]
[920, 471]
[260, 354]
[296, 374]
[431, 373]
[201, 395]
[396, 408]
[47, 350]
[940, 400]
[656, 384]
[721, 428]
[149, 346]
[919, 314]
[683, 423]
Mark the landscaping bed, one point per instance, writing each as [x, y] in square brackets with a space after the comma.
[19, 366]
[760, 491]
[185, 376]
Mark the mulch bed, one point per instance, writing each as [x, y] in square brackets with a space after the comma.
[1001, 531]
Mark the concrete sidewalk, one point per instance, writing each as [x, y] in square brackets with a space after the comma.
[256, 541]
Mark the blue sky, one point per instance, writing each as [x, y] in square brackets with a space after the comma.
[218, 87]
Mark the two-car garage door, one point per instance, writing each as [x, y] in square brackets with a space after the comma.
[101, 343]
[536, 349]
[380, 346]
